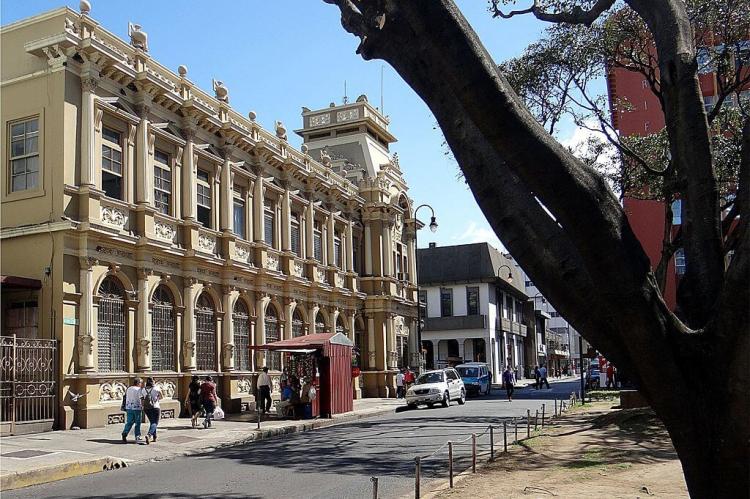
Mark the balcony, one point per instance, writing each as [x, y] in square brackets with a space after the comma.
[457, 322]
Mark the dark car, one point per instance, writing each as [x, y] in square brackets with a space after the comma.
[592, 378]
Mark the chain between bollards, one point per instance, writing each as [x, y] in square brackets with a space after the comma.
[374, 481]
[417, 475]
[450, 464]
[473, 452]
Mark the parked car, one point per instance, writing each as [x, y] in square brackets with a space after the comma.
[592, 377]
[476, 377]
[439, 386]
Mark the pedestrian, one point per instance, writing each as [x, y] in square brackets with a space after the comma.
[208, 400]
[264, 391]
[543, 377]
[508, 383]
[307, 396]
[408, 378]
[400, 384]
[151, 397]
[536, 377]
[610, 376]
[133, 407]
[193, 400]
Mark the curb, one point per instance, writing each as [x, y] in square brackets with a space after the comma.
[21, 479]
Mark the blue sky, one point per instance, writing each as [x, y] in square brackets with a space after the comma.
[277, 56]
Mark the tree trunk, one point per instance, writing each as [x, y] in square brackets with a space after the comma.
[586, 260]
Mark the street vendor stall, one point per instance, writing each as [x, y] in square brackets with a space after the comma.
[325, 358]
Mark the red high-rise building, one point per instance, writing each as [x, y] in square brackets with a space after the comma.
[643, 116]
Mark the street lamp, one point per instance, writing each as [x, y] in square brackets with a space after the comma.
[510, 273]
[544, 300]
[433, 227]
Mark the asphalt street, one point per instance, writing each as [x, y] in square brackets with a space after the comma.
[334, 462]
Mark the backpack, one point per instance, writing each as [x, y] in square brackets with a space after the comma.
[148, 402]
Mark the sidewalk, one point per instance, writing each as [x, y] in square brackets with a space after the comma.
[45, 457]
[527, 382]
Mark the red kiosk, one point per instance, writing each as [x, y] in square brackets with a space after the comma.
[330, 356]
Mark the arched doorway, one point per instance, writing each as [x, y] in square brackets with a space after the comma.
[241, 326]
[163, 330]
[111, 329]
[298, 324]
[205, 333]
[340, 327]
[320, 323]
[273, 333]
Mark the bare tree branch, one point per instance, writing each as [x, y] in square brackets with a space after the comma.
[577, 15]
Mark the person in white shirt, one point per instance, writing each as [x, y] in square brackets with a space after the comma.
[151, 397]
[133, 406]
[400, 384]
[264, 390]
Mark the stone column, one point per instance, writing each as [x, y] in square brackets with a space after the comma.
[258, 221]
[368, 250]
[189, 171]
[309, 228]
[372, 350]
[286, 221]
[350, 246]
[387, 250]
[311, 319]
[331, 222]
[143, 339]
[129, 163]
[411, 251]
[260, 329]
[89, 82]
[86, 333]
[390, 342]
[188, 343]
[288, 313]
[227, 330]
[226, 209]
[144, 174]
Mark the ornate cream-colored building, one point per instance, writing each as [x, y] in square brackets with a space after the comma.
[151, 229]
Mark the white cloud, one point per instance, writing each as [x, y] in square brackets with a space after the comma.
[474, 233]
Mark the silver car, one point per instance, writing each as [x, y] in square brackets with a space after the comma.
[439, 386]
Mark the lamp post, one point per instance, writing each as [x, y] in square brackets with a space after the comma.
[433, 227]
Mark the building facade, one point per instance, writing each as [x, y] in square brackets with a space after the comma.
[472, 311]
[148, 228]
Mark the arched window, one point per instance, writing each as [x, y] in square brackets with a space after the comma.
[298, 325]
[241, 322]
[111, 326]
[273, 333]
[163, 330]
[205, 333]
[340, 325]
[320, 323]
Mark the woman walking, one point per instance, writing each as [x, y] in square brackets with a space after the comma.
[151, 397]
[208, 399]
[508, 382]
[193, 400]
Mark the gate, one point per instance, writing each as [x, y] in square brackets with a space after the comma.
[27, 384]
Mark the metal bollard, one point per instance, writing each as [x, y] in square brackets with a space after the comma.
[450, 464]
[505, 436]
[543, 408]
[528, 423]
[374, 481]
[555, 407]
[515, 424]
[536, 419]
[417, 475]
[492, 443]
[256, 410]
[473, 452]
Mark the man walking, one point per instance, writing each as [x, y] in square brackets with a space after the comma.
[543, 377]
[508, 383]
[400, 384]
[264, 390]
[536, 377]
[133, 407]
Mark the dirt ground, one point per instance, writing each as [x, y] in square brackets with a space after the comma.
[596, 452]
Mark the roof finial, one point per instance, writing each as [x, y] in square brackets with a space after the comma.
[84, 7]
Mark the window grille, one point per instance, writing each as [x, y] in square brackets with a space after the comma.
[268, 226]
[111, 326]
[317, 243]
[273, 333]
[241, 322]
[163, 330]
[298, 325]
[205, 334]
[24, 155]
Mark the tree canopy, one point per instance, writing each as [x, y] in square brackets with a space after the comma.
[562, 222]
